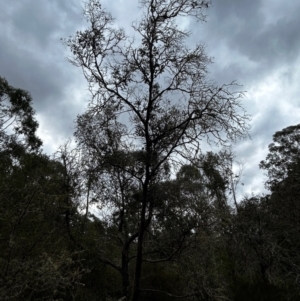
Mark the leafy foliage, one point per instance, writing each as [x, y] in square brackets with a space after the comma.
[16, 112]
[282, 161]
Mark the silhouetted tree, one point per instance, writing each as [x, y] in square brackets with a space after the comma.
[152, 105]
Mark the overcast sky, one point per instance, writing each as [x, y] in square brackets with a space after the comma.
[255, 42]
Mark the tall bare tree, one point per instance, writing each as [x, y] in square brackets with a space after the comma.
[152, 105]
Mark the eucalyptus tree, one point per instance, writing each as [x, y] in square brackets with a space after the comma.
[283, 170]
[282, 161]
[35, 260]
[185, 236]
[152, 105]
[17, 114]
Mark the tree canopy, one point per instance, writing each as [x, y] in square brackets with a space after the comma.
[16, 111]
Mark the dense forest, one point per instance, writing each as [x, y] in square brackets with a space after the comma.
[135, 209]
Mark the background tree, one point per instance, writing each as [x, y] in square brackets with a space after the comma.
[16, 113]
[282, 166]
[283, 159]
[283, 169]
[36, 261]
[184, 236]
[259, 257]
[153, 96]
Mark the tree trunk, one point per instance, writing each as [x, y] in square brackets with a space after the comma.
[125, 273]
[139, 254]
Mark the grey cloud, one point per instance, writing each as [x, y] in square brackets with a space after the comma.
[32, 57]
[266, 123]
[277, 44]
[243, 28]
